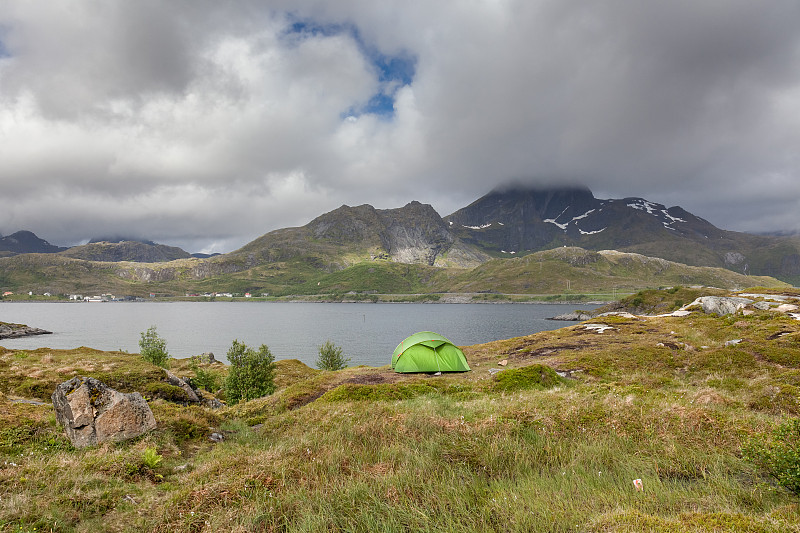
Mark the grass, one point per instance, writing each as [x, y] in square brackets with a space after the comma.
[663, 400]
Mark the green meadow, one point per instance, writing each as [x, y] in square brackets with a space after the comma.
[551, 439]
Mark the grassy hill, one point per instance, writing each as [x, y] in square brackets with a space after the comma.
[668, 401]
[557, 271]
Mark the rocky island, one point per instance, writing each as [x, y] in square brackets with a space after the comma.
[11, 331]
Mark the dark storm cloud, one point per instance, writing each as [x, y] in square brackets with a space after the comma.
[204, 125]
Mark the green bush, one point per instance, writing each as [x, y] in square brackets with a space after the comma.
[251, 374]
[779, 454]
[202, 377]
[331, 358]
[153, 348]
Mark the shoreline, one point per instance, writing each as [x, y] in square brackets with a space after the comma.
[436, 298]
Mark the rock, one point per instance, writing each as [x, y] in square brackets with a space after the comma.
[721, 305]
[599, 328]
[773, 297]
[575, 316]
[92, 413]
[212, 402]
[216, 437]
[13, 331]
[207, 358]
[172, 379]
[622, 314]
[785, 308]
[762, 306]
[733, 342]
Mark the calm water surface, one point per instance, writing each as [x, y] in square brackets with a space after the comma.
[368, 333]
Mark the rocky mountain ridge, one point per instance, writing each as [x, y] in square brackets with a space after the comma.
[505, 223]
[509, 222]
[26, 242]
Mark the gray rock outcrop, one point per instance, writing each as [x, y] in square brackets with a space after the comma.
[575, 316]
[172, 379]
[91, 412]
[12, 331]
[721, 305]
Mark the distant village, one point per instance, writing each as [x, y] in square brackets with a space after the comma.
[112, 298]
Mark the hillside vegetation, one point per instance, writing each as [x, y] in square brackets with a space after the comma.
[557, 271]
[552, 441]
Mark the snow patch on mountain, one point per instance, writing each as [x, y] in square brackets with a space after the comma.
[482, 226]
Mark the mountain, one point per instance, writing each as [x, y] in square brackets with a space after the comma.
[411, 234]
[135, 251]
[26, 242]
[413, 249]
[515, 221]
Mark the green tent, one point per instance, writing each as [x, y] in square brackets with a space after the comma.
[427, 351]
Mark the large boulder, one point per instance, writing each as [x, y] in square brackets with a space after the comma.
[720, 305]
[91, 412]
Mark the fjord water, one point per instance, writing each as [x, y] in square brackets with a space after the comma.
[368, 333]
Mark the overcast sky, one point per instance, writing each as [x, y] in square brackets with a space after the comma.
[204, 124]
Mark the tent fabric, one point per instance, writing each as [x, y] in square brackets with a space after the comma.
[427, 351]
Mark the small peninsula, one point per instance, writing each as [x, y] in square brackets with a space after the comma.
[12, 331]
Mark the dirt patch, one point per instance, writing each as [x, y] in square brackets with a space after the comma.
[526, 349]
[296, 402]
[373, 379]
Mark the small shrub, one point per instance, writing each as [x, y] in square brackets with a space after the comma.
[151, 458]
[153, 348]
[779, 454]
[203, 378]
[251, 374]
[529, 377]
[331, 358]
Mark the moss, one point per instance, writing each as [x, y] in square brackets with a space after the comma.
[529, 377]
[777, 399]
[382, 392]
[636, 521]
[130, 380]
[730, 384]
[782, 356]
[185, 423]
[165, 391]
[33, 388]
